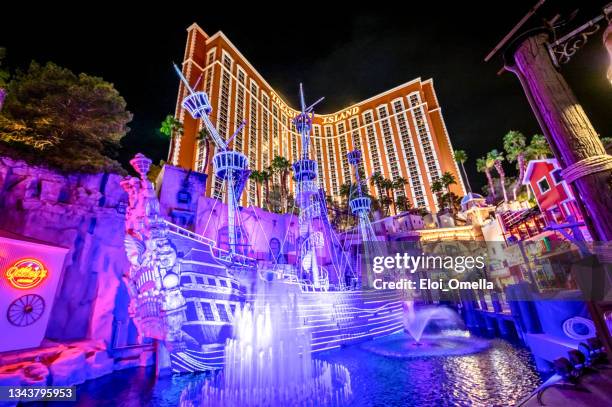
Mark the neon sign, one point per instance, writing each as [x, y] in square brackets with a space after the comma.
[26, 274]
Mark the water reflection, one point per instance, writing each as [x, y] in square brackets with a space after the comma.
[500, 375]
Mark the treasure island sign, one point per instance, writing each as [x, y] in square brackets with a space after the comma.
[345, 114]
[327, 119]
[26, 274]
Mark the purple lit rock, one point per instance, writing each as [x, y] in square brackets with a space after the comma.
[69, 368]
[36, 374]
[80, 212]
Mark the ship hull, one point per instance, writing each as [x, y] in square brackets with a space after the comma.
[334, 319]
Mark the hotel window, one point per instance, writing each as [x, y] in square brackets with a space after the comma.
[316, 129]
[210, 71]
[368, 119]
[332, 157]
[356, 137]
[276, 138]
[265, 137]
[265, 132]
[343, 142]
[223, 111]
[253, 142]
[294, 144]
[275, 132]
[285, 132]
[420, 122]
[385, 125]
[201, 151]
[414, 174]
[224, 95]
[240, 92]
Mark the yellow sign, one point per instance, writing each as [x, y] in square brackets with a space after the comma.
[26, 274]
[283, 107]
[330, 119]
[351, 111]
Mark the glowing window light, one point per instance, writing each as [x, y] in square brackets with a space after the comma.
[26, 274]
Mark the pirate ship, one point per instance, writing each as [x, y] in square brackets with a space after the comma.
[185, 288]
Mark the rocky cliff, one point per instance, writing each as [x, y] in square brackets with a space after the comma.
[82, 212]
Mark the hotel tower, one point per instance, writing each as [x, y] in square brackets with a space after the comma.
[400, 132]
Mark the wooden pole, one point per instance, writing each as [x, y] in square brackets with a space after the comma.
[566, 127]
[572, 139]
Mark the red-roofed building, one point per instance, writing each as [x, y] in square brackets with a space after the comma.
[555, 199]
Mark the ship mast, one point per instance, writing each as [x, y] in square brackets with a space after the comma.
[306, 194]
[360, 207]
[230, 166]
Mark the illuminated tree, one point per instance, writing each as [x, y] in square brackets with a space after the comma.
[515, 144]
[259, 178]
[54, 117]
[402, 203]
[538, 147]
[497, 157]
[485, 165]
[461, 157]
[282, 166]
[171, 127]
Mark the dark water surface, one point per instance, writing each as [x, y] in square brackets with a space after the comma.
[498, 376]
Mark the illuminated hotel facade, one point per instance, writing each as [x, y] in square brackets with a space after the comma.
[400, 132]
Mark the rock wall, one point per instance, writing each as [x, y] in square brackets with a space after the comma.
[85, 213]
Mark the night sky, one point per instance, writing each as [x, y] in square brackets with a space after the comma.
[346, 55]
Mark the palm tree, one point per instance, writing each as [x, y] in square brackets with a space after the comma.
[461, 157]
[265, 178]
[388, 187]
[515, 145]
[402, 203]
[497, 157]
[282, 166]
[257, 177]
[485, 165]
[538, 147]
[399, 184]
[171, 126]
[377, 180]
[447, 180]
[346, 190]
[205, 137]
[437, 188]
[446, 198]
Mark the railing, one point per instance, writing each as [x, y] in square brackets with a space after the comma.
[189, 234]
[306, 186]
[217, 252]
